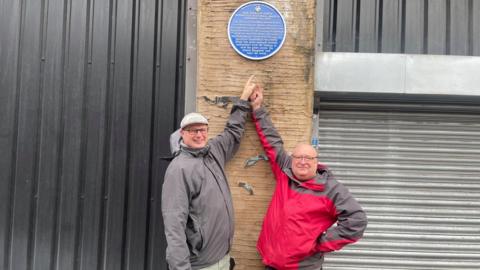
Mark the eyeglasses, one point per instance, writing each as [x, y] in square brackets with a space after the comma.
[306, 158]
[197, 130]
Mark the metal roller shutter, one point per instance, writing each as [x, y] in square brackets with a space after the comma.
[416, 172]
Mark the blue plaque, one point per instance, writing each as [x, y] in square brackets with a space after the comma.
[256, 30]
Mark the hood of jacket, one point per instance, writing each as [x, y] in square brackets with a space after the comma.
[175, 140]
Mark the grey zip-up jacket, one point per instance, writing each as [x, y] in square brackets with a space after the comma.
[197, 204]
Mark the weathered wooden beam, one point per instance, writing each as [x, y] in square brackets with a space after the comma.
[287, 78]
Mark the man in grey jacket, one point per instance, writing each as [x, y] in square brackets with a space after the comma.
[197, 205]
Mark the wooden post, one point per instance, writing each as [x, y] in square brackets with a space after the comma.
[287, 78]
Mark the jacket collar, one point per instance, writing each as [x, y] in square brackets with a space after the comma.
[196, 152]
[317, 183]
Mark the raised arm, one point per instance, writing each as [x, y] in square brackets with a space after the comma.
[226, 144]
[269, 137]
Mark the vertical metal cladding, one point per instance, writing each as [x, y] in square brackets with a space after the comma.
[414, 168]
[89, 93]
[398, 26]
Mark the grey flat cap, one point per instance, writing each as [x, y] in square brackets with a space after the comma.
[193, 118]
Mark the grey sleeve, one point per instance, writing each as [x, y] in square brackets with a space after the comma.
[175, 205]
[351, 220]
[226, 144]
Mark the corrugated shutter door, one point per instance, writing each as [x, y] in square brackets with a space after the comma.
[417, 175]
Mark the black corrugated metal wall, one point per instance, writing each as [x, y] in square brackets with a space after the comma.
[444, 27]
[89, 93]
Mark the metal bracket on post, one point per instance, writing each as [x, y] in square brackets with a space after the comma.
[246, 186]
[221, 101]
[253, 160]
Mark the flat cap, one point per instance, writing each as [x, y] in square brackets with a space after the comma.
[193, 118]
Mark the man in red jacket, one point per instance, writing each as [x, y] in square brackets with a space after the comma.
[299, 226]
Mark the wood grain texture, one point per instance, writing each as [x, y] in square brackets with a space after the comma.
[287, 78]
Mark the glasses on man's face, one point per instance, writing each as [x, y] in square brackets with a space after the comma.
[194, 131]
[304, 158]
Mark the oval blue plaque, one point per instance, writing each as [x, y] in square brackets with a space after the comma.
[256, 30]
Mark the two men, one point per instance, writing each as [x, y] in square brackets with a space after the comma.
[297, 229]
[299, 225]
[196, 200]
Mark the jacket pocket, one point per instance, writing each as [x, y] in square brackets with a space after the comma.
[194, 236]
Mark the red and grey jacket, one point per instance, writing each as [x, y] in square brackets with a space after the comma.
[299, 224]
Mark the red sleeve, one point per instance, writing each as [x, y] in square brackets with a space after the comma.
[271, 141]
